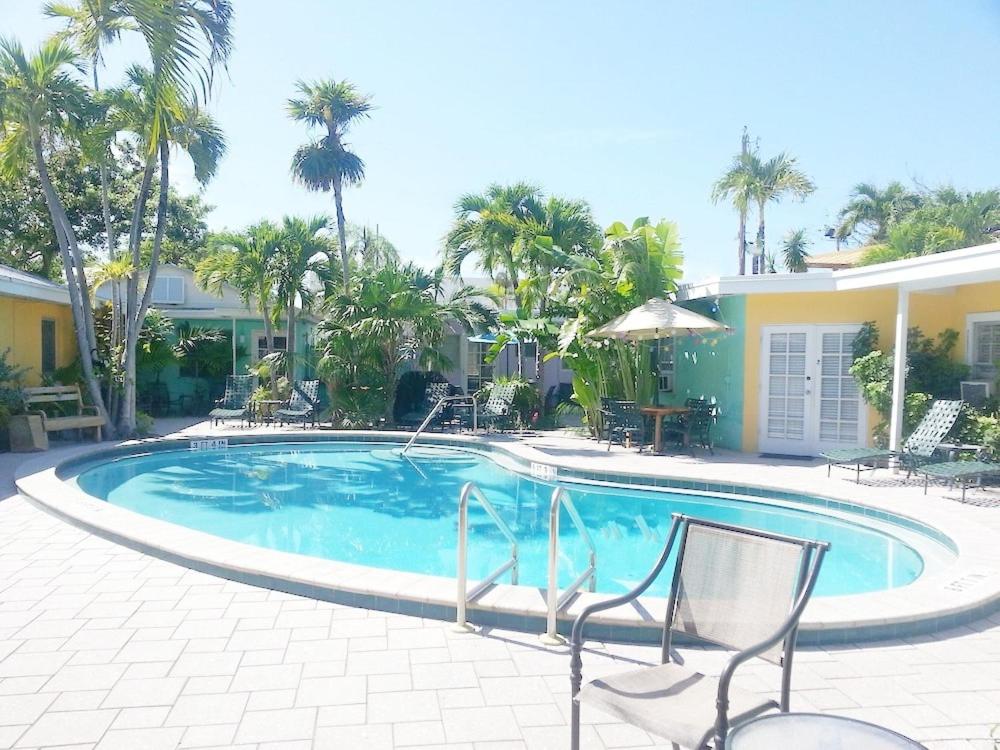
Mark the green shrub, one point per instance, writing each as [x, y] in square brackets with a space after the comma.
[143, 424]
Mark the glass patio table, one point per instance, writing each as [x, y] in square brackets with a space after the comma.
[815, 732]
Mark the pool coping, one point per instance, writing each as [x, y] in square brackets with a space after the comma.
[964, 591]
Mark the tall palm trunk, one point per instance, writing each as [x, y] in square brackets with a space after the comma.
[759, 255]
[290, 340]
[134, 321]
[338, 201]
[79, 297]
[742, 243]
[265, 311]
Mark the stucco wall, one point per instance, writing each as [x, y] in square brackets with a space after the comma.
[931, 312]
[21, 332]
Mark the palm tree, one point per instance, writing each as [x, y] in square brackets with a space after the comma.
[875, 210]
[245, 260]
[40, 101]
[393, 314]
[327, 163]
[735, 186]
[793, 251]
[185, 126]
[491, 226]
[91, 25]
[300, 266]
[771, 180]
[368, 247]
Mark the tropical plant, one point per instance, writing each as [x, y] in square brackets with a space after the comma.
[300, 264]
[11, 393]
[871, 210]
[91, 25]
[634, 265]
[135, 109]
[946, 219]
[491, 226]
[770, 181]
[794, 252]
[245, 261]
[327, 163]
[41, 102]
[207, 352]
[736, 187]
[369, 248]
[393, 314]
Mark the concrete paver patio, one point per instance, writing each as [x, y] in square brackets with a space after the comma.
[104, 647]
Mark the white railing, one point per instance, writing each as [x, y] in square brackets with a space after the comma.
[555, 602]
[436, 409]
[465, 595]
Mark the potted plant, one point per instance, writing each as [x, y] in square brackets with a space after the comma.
[20, 431]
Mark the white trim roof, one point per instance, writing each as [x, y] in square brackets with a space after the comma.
[15, 283]
[970, 265]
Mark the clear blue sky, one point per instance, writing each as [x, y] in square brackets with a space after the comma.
[634, 106]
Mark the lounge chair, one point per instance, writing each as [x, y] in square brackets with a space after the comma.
[235, 403]
[694, 427]
[433, 393]
[962, 473]
[498, 410]
[626, 424]
[918, 448]
[733, 587]
[301, 405]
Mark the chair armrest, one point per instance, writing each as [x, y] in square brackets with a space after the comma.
[784, 631]
[576, 635]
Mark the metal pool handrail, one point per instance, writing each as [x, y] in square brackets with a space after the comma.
[555, 602]
[464, 596]
[436, 409]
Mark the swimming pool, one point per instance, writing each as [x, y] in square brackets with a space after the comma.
[365, 503]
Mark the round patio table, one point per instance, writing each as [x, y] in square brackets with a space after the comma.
[658, 413]
[815, 732]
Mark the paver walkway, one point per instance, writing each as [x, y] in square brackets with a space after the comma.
[101, 646]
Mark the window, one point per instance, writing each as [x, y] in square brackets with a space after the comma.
[985, 349]
[280, 345]
[48, 346]
[168, 290]
[478, 372]
[665, 364]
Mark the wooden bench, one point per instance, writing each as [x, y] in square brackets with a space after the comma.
[64, 394]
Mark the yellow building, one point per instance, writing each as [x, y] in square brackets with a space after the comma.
[36, 323]
[784, 371]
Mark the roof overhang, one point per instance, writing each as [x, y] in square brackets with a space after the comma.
[971, 265]
[27, 290]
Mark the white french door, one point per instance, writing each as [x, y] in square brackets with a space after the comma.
[809, 399]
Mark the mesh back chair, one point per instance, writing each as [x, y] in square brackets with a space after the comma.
[301, 405]
[498, 411]
[235, 402]
[627, 424]
[918, 448]
[694, 427]
[604, 430]
[738, 588]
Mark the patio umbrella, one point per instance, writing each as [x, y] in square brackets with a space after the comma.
[655, 319]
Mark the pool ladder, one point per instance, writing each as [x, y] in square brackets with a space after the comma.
[554, 601]
[437, 407]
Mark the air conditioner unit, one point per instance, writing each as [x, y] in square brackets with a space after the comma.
[975, 392]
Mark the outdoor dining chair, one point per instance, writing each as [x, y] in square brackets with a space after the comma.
[235, 402]
[694, 427]
[734, 587]
[626, 424]
[301, 405]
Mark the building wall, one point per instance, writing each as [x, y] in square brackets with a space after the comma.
[708, 367]
[21, 333]
[931, 312]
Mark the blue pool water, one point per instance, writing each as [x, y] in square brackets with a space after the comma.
[366, 504]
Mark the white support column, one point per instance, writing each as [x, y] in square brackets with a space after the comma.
[899, 370]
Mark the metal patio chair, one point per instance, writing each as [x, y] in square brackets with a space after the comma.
[302, 404]
[498, 411]
[235, 402]
[626, 424]
[433, 393]
[734, 587]
[694, 427]
[919, 447]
